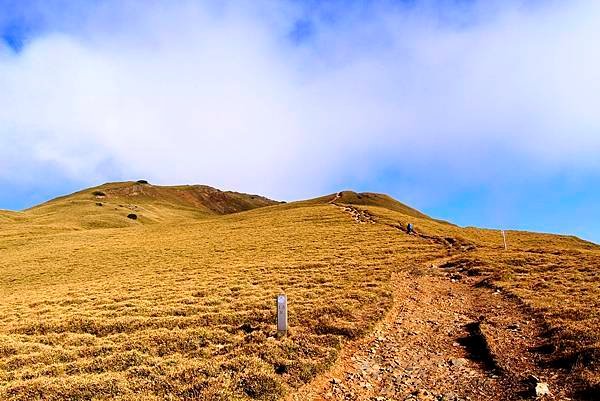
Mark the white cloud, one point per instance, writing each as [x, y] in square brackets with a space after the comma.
[219, 94]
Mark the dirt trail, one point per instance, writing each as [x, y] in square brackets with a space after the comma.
[359, 215]
[335, 198]
[362, 216]
[444, 339]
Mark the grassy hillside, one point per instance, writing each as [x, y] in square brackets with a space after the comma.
[183, 308]
[363, 199]
[381, 200]
[109, 205]
[187, 309]
[8, 216]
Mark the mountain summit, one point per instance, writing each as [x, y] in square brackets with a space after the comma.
[109, 205]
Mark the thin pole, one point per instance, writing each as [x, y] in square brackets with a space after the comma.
[282, 315]
[504, 238]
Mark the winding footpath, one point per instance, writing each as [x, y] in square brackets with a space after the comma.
[446, 337]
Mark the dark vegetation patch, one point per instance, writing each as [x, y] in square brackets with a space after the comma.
[132, 216]
[142, 182]
[281, 368]
[247, 328]
[588, 393]
[99, 194]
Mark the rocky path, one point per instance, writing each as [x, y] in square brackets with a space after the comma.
[359, 215]
[445, 338]
[362, 216]
[335, 198]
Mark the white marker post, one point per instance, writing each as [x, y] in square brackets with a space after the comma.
[504, 238]
[282, 315]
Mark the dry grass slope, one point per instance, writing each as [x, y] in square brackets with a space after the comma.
[379, 200]
[363, 199]
[108, 205]
[185, 309]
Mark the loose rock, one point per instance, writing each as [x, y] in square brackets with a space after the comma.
[542, 389]
[458, 362]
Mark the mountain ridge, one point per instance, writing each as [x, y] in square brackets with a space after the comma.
[108, 206]
[127, 203]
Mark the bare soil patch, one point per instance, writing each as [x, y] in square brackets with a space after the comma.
[443, 339]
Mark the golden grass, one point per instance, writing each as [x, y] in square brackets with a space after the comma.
[108, 205]
[185, 309]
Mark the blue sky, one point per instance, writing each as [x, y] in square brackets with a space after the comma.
[483, 113]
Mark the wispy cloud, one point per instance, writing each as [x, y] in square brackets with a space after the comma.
[286, 99]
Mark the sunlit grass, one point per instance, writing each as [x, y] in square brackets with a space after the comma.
[185, 308]
[182, 310]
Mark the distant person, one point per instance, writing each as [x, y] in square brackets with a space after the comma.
[409, 228]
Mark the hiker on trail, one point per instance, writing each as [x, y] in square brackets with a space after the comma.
[409, 228]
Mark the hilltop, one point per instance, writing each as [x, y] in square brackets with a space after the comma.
[365, 199]
[179, 303]
[110, 204]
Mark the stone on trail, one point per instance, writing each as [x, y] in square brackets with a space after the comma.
[458, 362]
[542, 389]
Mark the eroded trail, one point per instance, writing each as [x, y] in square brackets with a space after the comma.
[444, 339]
[359, 215]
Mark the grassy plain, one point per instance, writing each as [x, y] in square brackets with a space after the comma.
[181, 304]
